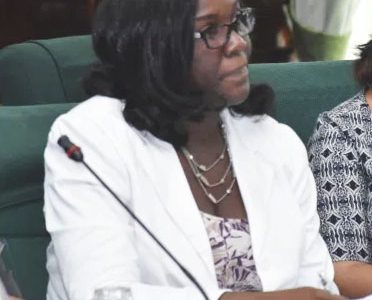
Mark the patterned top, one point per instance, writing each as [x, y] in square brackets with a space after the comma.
[340, 155]
[230, 240]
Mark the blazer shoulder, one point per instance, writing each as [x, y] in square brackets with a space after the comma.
[274, 140]
[276, 132]
[98, 121]
[97, 108]
[102, 113]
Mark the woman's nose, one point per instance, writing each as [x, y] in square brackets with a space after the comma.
[237, 43]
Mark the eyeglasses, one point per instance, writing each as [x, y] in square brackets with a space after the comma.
[217, 36]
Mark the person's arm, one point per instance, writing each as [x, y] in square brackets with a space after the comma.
[334, 161]
[354, 278]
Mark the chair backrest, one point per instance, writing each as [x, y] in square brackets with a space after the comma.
[45, 71]
[23, 135]
[50, 71]
[304, 90]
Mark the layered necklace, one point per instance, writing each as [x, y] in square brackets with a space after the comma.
[200, 172]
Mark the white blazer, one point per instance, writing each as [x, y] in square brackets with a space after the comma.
[95, 243]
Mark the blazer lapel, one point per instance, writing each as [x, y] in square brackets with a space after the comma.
[167, 176]
[255, 175]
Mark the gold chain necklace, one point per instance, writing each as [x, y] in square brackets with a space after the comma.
[198, 169]
[202, 167]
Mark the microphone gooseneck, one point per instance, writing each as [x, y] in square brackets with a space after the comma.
[74, 152]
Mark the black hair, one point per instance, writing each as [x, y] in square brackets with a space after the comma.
[363, 65]
[146, 49]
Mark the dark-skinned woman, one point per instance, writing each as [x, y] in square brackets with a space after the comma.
[177, 132]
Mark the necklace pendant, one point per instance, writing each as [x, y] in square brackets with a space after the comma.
[211, 197]
[202, 167]
[204, 180]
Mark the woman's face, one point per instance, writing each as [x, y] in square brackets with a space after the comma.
[221, 73]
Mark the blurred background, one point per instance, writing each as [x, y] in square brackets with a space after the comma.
[286, 30]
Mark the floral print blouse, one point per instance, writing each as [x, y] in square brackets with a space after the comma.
[232, 252]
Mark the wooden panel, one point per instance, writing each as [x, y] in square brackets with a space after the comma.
[21, 20]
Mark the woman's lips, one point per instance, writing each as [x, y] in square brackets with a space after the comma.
[238, 73]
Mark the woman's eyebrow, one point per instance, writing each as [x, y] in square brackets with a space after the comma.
[214, 16]
[206, 17]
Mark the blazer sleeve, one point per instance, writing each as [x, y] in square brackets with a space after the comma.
[316, 259]
[92, 236]
[342, 187]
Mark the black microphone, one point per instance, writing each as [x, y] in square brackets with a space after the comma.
[74, 152]
[71, 150]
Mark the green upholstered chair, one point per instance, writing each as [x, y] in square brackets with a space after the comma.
[23, 135]
[45, 71]
[303, 90]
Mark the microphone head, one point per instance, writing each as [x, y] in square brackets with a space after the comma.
[64, 142]
[72, 151]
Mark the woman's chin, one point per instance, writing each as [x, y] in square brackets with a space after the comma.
[237, 95]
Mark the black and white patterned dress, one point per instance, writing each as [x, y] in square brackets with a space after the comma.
[340, 155]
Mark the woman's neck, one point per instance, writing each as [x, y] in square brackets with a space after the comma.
[205, 133]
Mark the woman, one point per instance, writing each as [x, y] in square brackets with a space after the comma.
[194, 160]
[340, 155]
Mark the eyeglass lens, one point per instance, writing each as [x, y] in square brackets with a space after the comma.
[219, 36]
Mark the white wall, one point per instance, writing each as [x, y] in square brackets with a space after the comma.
[362, 28]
